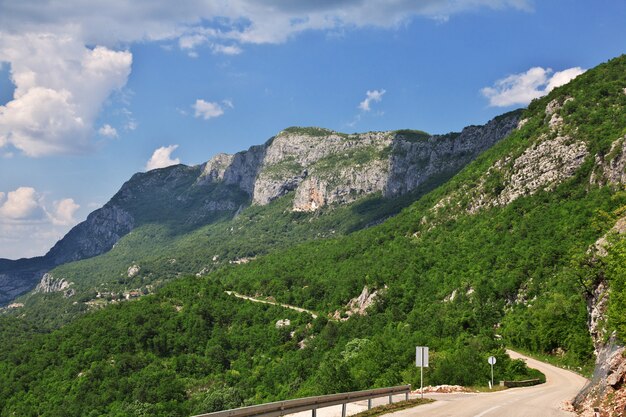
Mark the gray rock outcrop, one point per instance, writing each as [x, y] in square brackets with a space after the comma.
[324, 167]
[50, 284]
[414, 162]
[96, 235]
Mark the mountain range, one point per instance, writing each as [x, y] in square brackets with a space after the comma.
[319, 166]
[507, 234]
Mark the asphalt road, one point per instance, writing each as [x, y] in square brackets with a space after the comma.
[545, 400]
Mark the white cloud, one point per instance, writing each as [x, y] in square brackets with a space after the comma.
[61, 84]
[21, 204]
[64, 211]
[246, 21]
[373, 96]
[60, 87]
[29, 226]
[563, 77]
[521, 89]
[161, 158]
[107, 131]
[208, 110]
[226, 49]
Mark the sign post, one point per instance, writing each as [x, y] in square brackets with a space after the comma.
[492, 361]
[421, 360]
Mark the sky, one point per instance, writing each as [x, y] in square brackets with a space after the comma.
[92, 92]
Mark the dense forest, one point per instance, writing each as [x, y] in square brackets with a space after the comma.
[465, 281]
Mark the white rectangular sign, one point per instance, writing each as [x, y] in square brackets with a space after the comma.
[421, 356]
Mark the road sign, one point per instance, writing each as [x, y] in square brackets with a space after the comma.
[492, 361]
[421, 356]
[421, 361]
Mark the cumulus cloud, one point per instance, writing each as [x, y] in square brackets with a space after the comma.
[373, 96]
[60, 87]
[21, 204]
[107, 131]
[25, 213]
[563, 77]
[162, 157]
[521, 89]
[209, 110]
[61, 84]
[64, 211]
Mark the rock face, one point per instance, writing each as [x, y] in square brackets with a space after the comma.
[553, 158]
[358, 305]
[324, 167]
[541, 167]
[94, 236]
[611, 169]
[320, 166]
[606, 388]
[413, 161]
[133, 270]
[50, 284]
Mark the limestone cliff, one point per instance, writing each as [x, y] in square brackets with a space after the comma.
[324, 167]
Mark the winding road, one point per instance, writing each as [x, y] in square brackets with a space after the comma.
[545, 400]
[274, 303]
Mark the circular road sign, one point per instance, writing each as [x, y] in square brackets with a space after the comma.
[492, 360]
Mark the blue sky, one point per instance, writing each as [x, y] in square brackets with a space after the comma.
[91, 89]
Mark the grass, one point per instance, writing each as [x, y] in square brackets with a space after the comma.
[390, 408]
[413, 135]
[313, 131]
[483, 388]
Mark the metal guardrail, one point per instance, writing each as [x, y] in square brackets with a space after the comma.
[525, 383]
[281, 408]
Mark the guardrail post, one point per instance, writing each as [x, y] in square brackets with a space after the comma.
[406, 396]
[279, 408]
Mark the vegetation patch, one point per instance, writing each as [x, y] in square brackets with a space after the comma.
[356, 157]
[412, 135]
[286, 168]
[390, 408]
[312, 131]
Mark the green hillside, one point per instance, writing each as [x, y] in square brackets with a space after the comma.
[499, 255]
[163, 252]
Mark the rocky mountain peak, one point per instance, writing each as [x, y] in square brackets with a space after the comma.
[325, 167]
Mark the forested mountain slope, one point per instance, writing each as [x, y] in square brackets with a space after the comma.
[504, 252]
[304, 184]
